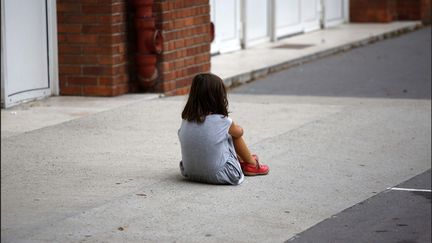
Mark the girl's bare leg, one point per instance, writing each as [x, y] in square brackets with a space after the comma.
[243, 151]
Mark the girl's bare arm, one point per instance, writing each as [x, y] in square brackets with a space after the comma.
[235, 130]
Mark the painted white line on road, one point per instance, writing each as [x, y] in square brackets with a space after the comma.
[408, 189]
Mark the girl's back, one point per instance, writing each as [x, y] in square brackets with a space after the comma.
[206, 147]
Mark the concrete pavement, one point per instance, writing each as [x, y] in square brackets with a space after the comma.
[113, 175]
[398, 68]
[58, 109]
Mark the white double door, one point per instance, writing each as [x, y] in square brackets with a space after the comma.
[257, 22]
[239, 23]
[27, 50]
[335, 12]
[244, 23]
[296, 16]
[225, 15]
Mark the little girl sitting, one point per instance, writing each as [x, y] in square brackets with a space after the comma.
[212, 146]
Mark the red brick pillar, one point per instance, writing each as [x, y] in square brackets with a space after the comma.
[186, 51]
[426, 10]
[92, 47]
[414, 10]
[372, 10]
[408, 9]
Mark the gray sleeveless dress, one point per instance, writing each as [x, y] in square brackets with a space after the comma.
[208, 153]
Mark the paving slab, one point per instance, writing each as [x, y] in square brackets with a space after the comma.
[58, 109]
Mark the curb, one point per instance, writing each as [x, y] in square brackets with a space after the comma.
[243, 78]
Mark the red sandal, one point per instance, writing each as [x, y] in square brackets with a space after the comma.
[253, 170]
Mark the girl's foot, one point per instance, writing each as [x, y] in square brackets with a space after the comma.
[253, 170]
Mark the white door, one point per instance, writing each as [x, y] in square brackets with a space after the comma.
[26, 49]
[256, 22]
[225, 15]
[288, 18]
[296, 16]
[334, 12]
[310, 12]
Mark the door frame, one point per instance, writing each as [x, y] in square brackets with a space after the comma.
[53, 87]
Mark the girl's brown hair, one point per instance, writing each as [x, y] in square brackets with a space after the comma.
[207, 96]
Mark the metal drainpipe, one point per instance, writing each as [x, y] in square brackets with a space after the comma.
[149, 43]
[212, 32]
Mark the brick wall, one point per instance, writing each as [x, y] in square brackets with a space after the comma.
[186, 50]
[390, 10]
[408, 9]
[96, 43]
[92, 47]
[414, 10]
[372, 10]
[426, 10]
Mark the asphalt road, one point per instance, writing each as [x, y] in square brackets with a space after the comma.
[394, 68]
[401, 214]
[398, 68]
